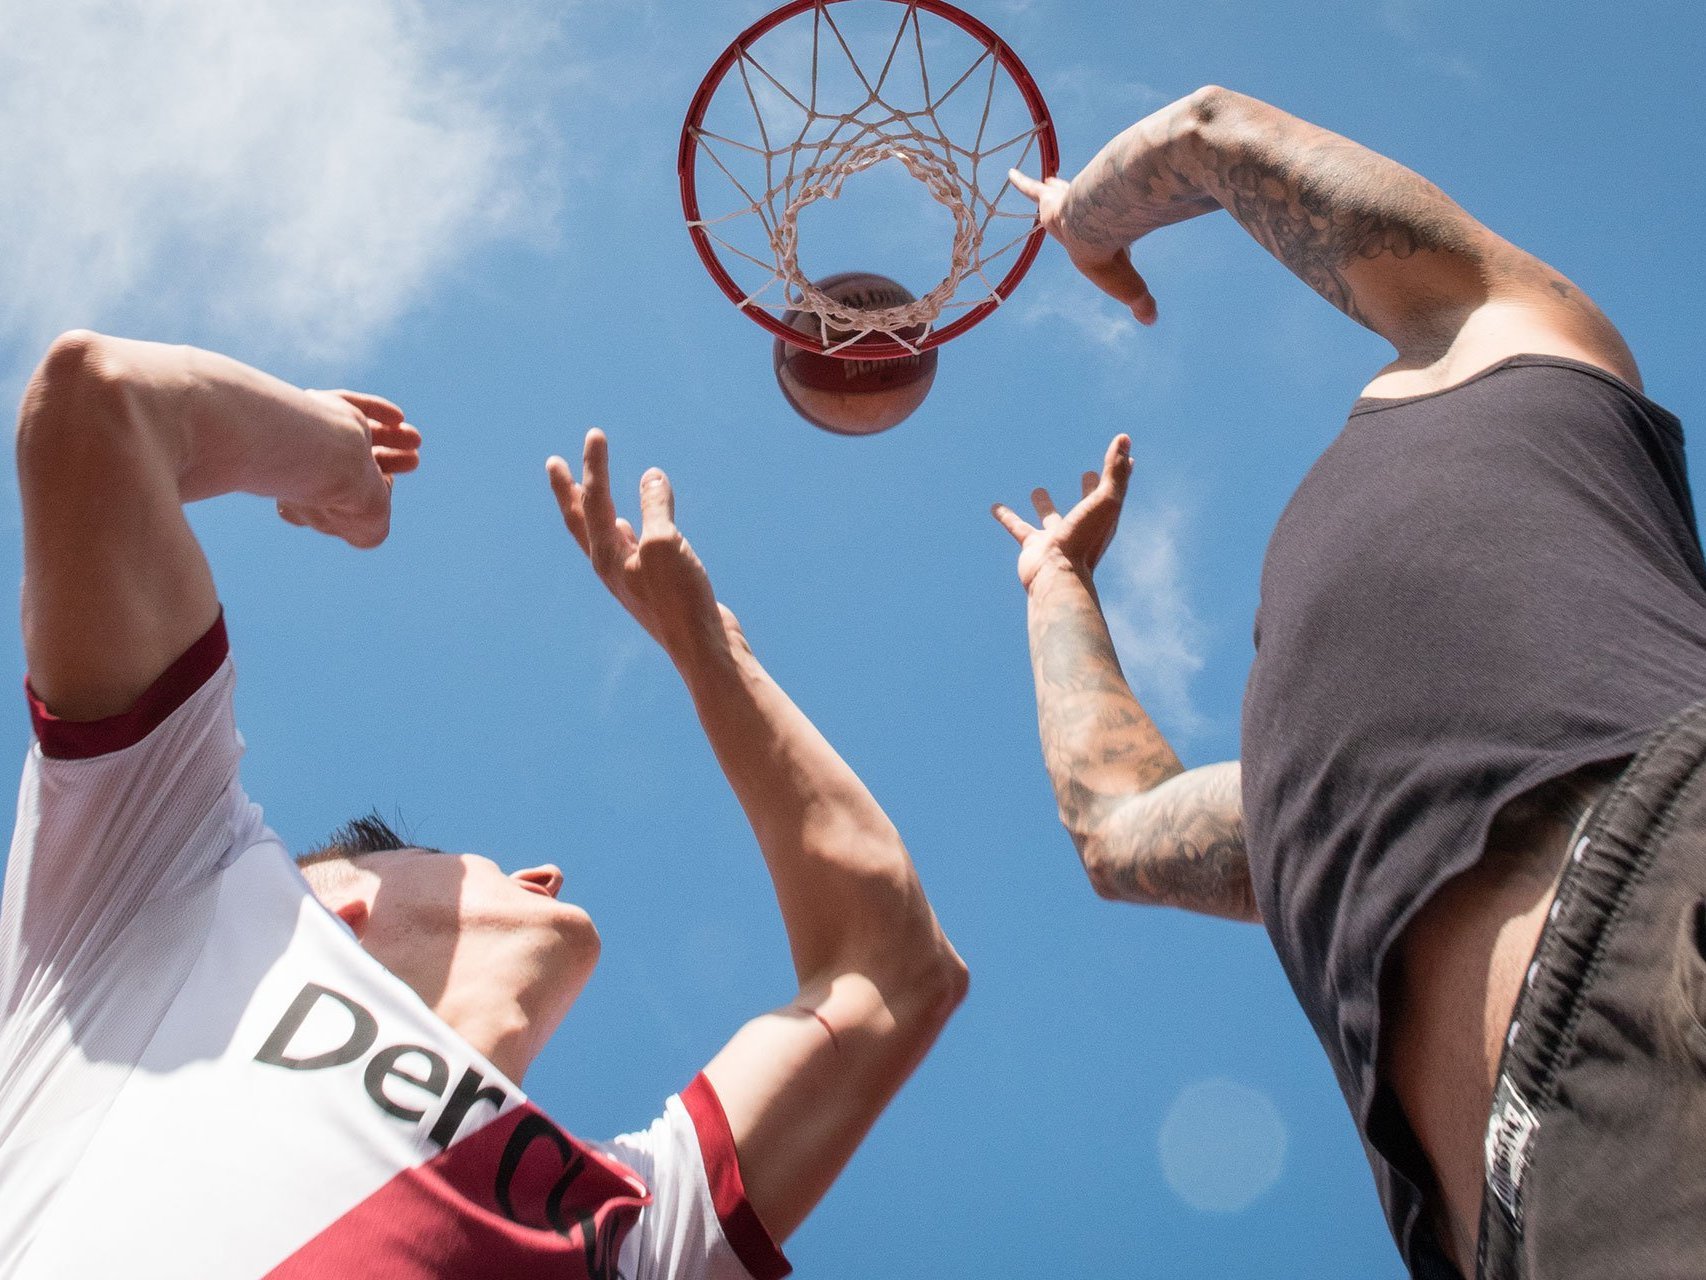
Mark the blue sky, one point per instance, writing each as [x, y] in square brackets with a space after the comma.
[474, 211]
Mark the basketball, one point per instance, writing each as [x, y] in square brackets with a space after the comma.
[843, 393]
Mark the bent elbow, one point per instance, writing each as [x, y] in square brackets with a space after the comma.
[70, 387]
[923, 1001]
[1115, 873]
[1108, 876]
[1099, 867]
[74, 361]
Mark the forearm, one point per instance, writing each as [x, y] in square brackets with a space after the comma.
[850, 898]
[221, 426]
[113, 437]
[1147, 829]
[1376, 240]
[1099, 745]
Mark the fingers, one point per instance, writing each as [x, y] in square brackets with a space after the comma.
[396, 462]
[1035, 188]
[657, 505]
[1045, 505]
[1012, 522]
[568, 495]
[596, 502]
[393, 435]
[1026, 185]
[1117, 278]
[1088, 482]
[376, 407]
[1116, 465]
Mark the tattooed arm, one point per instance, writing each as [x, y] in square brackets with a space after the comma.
[1148, 830]
[1381, 243]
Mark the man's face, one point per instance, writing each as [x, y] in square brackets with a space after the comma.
[457, 928]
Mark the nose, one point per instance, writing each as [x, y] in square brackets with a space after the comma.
[546, 877]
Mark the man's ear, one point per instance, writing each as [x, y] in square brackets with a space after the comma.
[354, 913]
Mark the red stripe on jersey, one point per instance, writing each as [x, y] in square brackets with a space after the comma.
[741, 1226]
[519, 1199]
[85, 739]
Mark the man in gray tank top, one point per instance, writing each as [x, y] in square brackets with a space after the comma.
[1471, 809]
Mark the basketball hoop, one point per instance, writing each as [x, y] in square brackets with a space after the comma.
[793, 125]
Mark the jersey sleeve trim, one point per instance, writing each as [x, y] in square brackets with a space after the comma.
[85, 739]
[746, 1235]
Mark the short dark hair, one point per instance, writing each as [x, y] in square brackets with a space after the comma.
[367, 834]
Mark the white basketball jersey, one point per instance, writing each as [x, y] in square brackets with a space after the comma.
[203, 1074]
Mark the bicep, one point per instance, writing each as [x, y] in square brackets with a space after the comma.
[115, 585]
[1179, 844]
[1393, 251]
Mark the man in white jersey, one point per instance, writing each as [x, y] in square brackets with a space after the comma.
[212, 1066]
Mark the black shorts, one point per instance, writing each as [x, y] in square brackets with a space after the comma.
[1596, 1146]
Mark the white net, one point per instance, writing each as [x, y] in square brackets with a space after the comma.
[839, 92]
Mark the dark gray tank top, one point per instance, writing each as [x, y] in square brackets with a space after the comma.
[1472, 592]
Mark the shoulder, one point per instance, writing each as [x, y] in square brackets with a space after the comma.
[1529, 309]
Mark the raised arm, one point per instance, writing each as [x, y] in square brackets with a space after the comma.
[1381, 243]
[114, 436]
[877, 979]
[1147, 829]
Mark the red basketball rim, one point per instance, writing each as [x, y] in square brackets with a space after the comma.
[873, 346]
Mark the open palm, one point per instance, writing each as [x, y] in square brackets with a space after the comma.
[1077, 539]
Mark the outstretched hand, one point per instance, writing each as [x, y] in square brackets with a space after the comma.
[357, 505]
[1110, 270]
[1076, 540]
[655, 575]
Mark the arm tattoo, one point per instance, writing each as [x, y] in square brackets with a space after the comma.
[1330, 204]
[1182, 845]
[1318, 202]
[1148, 831]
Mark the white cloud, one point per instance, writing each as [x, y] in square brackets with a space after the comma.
[297, 172]
[1402, 19]
[1154, 628]
[1106, 324]
[1085, 92]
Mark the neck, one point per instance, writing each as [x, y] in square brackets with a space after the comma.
[506, 1032]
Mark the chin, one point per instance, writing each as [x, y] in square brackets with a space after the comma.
[578, 950]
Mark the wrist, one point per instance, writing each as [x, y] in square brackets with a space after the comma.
[1150, 176]
[1056, 571]
[706, 654]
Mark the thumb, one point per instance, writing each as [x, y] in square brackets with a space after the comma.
[1025, 185]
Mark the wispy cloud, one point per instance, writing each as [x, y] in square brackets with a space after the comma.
[1155, 630]
[1086, 92]
[1089, 316]
[298, 172]
[621, 655]
[1404, 19]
